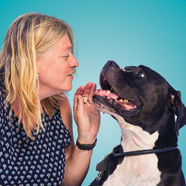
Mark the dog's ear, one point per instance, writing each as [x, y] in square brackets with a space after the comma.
[174, 98]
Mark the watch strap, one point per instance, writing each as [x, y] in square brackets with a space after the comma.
[86, 146]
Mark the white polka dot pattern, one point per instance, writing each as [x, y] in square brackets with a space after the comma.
[31, 162]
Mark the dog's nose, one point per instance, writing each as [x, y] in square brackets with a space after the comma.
[111, 64]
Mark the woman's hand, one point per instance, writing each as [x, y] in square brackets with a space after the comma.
[86, 116]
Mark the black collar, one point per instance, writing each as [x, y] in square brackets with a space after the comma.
[115, 155]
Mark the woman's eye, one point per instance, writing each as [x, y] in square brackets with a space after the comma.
[66, 57]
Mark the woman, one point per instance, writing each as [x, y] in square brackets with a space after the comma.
[36, 69]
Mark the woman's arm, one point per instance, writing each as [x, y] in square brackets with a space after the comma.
[87, 118]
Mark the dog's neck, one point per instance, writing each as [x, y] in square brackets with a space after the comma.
[135, 138]
[137, 169]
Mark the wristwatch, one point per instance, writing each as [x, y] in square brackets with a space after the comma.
[86, 146]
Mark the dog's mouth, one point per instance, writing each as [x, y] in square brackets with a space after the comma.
[109, 93]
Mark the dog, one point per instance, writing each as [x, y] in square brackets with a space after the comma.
[150, 113]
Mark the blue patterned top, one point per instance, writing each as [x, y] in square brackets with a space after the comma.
[27, 162]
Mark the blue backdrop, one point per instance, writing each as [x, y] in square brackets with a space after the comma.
[131, 32]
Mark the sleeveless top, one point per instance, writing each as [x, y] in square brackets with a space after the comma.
[35, 162]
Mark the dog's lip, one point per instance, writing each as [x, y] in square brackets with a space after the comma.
[111, 92]
[107, 94]
[103, 82]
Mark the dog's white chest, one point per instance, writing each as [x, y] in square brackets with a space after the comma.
[136, 171]
[140, 170]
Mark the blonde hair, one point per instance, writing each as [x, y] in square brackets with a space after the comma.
[27, 36]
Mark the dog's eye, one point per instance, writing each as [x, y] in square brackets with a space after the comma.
[141, 74]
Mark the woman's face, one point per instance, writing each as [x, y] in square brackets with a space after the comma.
[56, 68]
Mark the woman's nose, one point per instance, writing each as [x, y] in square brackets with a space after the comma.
[74, 63]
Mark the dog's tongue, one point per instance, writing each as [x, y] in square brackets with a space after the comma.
[107, 93]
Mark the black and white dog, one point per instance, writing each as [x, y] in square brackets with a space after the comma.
[150, 113]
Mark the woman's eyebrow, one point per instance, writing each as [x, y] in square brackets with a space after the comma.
[68, 49]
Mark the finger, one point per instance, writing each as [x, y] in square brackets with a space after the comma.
[92, 92]
[80, 104]
[75, 104]
[87, 89]
[80, 90]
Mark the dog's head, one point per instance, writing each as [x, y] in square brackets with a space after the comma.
[139, 95]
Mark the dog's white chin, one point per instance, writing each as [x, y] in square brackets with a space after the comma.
[103, 108]
[133, 137]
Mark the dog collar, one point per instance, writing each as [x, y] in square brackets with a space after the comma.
[114, 155]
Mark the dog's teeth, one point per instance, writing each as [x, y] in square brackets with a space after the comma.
[126, 100]
[121, 100]
[108, 92]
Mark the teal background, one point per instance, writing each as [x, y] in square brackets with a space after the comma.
[131, 32]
